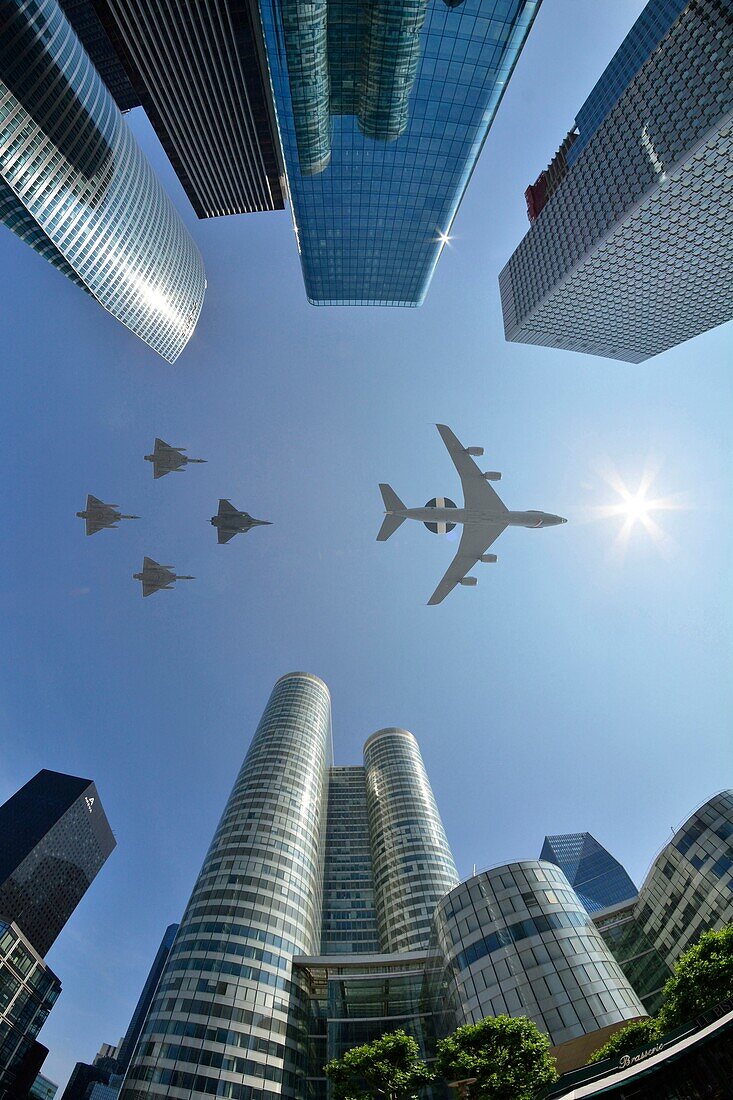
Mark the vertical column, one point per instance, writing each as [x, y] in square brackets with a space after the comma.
[219, 1022]
[413, 864]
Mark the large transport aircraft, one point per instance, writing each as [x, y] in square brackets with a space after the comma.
[484, 516]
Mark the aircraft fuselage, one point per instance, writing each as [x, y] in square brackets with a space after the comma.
[461, 515]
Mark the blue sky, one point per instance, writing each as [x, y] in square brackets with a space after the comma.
[572, 689]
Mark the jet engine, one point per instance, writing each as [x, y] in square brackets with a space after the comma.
[440, 528]
[469, 582]
[492, 475]
[475, 451]
[488, 559]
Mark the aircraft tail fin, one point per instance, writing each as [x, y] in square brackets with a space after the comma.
[392, 502]
[389, 526]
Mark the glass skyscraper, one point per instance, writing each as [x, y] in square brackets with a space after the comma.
[598, 879]
[329, 911]
[54, 840]
[630, 250]
[75, 185]
[383, 107]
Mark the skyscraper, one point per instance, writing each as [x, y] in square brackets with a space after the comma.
[369, 114]
[54, 839]
[630, 248]
[28, 991]
[598, 879]
[128, 1044]
[259, 899]
[328, 911]
[75, 185]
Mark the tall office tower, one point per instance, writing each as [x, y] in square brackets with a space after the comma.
[76, 187]
[128, 1044]
[306, 864]
[28, 991]
[598, 879]
[54, 839]
[225, 1013]
[369, 114]
[383, 108]
[631, 252]
[413, 864]
[349, 923]
[199, 72]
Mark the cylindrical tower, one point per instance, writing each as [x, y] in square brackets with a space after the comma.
[219, 1022]
[413, 864]
[518, 940]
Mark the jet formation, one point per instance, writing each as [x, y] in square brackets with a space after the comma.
[99, 515]
[155, 577]
[230, 522]
[484, 516]
[167, 459]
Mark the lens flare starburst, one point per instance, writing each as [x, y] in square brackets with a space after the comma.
[636, 508]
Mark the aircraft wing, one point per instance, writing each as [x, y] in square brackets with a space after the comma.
[226, 508]
[477, 493]
[94, 525]
[225, 534]
[149, 587]
[93, 502]
[474, 542]
[148, 563]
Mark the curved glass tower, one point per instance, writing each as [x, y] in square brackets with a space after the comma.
[70, 166]
[223, 1021]
[413, 863]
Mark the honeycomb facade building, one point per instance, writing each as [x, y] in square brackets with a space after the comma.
[631, 254]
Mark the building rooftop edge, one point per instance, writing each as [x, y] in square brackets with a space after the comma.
[389, 730]
[304, 676]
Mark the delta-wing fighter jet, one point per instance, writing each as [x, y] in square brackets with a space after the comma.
[166, 459]
[484, 516]
[155, 577]
[230, 522]
[99, 515]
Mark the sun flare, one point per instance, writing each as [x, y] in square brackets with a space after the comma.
[636, 507]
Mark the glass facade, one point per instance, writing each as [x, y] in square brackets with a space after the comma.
[635, 952]
[383, 107]
[349, 916]
[28, 992]
[413, 863]
[598, 879]
[631, 255]
[518, 940]
[70, 160]
[54, 840]
[643, 38]
[225, 1018]
[128, 1044]
[689, 888]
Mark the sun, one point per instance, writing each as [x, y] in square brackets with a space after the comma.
[636, 508]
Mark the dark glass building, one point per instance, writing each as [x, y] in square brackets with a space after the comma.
[28, 991]
[54, 839]
[598, 879]
[369, 115]
[199, 71]
[128, 1044]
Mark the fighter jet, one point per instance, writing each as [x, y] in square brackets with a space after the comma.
[166, 458]
[100, 515]
[484, 516]
[231, 522]
[155, 577]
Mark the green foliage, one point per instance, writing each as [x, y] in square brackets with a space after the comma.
[509, 1057]
[702, 978]
[389, 1066]
[636, 1034]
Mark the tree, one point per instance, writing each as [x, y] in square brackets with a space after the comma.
[389, 1066]
[509, 1057]
[634, 1035]
[702, 978]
